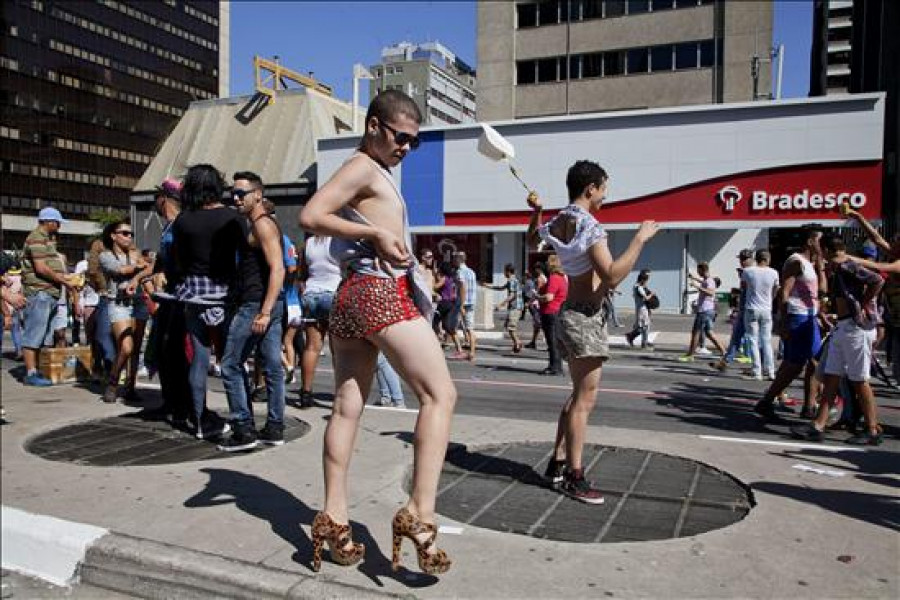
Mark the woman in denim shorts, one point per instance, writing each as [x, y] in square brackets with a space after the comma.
[323, 275]
[123, 267]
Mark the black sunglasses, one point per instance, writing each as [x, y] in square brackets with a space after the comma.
[401, 138]
[239, 193]
[125, 233]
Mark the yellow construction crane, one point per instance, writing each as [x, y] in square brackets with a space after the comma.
[271, 77]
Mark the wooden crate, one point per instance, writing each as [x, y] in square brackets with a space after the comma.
[65, 365]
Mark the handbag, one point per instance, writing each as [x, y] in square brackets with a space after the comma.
[652, 303]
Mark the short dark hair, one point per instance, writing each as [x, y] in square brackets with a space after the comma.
[203, 184]
[582, 174]
[833, 243]
[643, 276]
[763, 256]
[509, 268]
[703, 266]
[250, 176]
[387, 105]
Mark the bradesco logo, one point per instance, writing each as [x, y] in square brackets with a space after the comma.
[761, 200]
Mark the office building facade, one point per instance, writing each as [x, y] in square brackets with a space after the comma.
[442, 85]
[562, 57]
[856, 49]
[88, 91]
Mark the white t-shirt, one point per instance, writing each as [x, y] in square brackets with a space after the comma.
[760, 284]
[89, 296]
[324, 272]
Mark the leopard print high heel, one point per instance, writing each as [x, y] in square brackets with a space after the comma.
[406, 525]
[324, 529]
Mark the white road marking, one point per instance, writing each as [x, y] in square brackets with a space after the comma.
[827, 448]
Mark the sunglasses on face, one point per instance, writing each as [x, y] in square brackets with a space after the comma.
[125, 233]
[401, 138]
[239, 193]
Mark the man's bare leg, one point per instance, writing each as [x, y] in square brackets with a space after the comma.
[418, 358]
[585, 374]
[354, 367]
[559, 447]
[867, 400]
[830, 385]
[695, 341]
[787, 372]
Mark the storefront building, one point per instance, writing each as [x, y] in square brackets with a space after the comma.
[719, 178]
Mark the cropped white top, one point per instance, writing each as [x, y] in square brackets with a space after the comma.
[574, 255]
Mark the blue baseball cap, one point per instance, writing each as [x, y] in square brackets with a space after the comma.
[48, 213]
[869, 251]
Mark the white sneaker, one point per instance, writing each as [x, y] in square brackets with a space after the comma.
[702, 350]
[385, 401]
[143, 372]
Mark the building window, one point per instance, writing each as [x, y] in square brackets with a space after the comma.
[638, 61]
[614, 8]
[526, 72]
[526, 15]
[636, 7]
[661, 58]
[686, 55]
[707, 53]
[575, 66]
[548, 13]
[547, 70]
[659, 5]
[591, 9]
[592, 65]
[613, 63]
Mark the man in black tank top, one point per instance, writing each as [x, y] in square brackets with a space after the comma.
[255, 320]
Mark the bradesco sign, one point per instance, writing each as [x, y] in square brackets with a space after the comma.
[762, 200]
[804, 201]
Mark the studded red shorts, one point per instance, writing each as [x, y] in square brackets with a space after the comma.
[364, 304]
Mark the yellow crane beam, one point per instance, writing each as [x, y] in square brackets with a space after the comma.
[271, 77]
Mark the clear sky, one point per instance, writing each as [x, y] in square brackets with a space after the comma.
[327, 38]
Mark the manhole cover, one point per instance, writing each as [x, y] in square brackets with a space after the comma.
[649, 496]
[131, 440]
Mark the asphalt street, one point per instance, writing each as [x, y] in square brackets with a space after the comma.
[643, 391]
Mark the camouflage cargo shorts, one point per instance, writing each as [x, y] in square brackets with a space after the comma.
[581, 331]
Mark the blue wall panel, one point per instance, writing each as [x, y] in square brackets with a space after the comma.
[422, 181]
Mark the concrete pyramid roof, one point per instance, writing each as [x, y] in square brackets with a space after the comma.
[276, 141]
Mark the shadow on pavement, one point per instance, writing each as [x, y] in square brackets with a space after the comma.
[726, 409]
[285, 513]
[876, 509]
[873, 466]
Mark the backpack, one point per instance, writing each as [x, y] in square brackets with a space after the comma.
[652, 303]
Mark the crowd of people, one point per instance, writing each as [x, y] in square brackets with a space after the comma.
[228, 287]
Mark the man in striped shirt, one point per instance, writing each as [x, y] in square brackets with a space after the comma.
[468, 294]
[42, 275]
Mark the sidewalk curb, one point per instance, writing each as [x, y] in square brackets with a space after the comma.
[64, 552]
[44, 547]
[151, 569]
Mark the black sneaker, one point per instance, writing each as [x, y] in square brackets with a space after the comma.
[807, 432]
[272, 435]
[578, 488]
[766, 410]
[865, 438]
[211, 426]
[241, 440]
[555, 473]
[306, 399]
